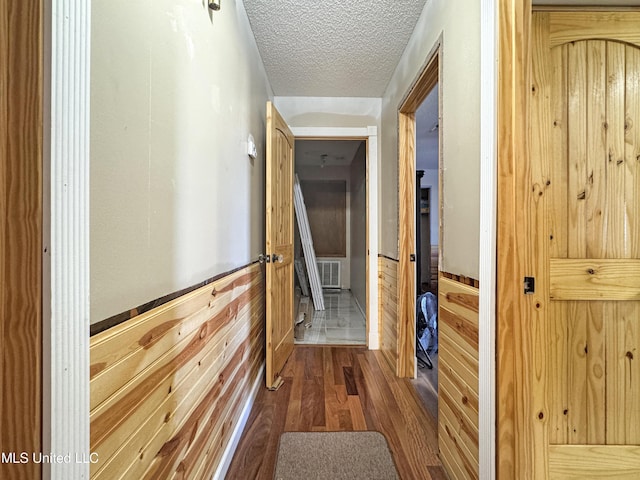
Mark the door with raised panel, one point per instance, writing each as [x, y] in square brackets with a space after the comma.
[279, 244]
[581, 198]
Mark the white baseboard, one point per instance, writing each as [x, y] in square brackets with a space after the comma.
[225, 461]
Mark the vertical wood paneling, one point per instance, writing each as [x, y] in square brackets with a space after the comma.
[556, 208]
[632, 148]
[458, 378]
[533, 198]
[407, 246]
[388, 309]
[21, 141]
[172, 411]
[513, 443]
[577, 137]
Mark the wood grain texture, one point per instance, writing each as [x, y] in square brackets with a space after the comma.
[279, 207]
[514, 87]
[407, 246]
[566, 27]
[314, 397]
[388, 309]
[594, 462]
[577, 242]
[594, 278]
[21, 141]
[458, 378]
[168, 386]
[326, 203]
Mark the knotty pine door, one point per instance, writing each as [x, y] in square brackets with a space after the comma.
[279, 243]
[581, 195]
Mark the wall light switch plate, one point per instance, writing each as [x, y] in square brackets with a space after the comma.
[251, 148]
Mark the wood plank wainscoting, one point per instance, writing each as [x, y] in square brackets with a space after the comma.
[388, 309]
[168, 386]
[458, 376]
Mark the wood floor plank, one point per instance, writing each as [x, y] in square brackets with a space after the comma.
[319, 395]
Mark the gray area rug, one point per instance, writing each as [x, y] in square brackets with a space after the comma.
[334, 455]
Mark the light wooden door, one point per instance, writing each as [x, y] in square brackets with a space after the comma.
[581, 204]
[279, 243]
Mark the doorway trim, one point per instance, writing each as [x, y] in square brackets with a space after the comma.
[488, 237]
[429, 76]
[65, 298]
[370, 134]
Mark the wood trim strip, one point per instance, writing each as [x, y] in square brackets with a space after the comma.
[119, 318]
[406, 268]
[583, 8]
[472, 282]
[513, 438]
[388, 309]
[21, 230]
[588, 279]
[380, 255]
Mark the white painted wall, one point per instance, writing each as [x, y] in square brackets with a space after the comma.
[460, 92]
[175, 91]
[430, 180]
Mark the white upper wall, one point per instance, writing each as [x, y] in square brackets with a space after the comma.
[175, 92]
[458, 22]
[341, 112]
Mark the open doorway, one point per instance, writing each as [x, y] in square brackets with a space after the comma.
[333, 181]
[427, 243]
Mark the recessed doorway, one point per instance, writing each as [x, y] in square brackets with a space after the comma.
[333, 179]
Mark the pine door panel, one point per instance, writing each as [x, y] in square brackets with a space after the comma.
[279, 243]
[582, 200]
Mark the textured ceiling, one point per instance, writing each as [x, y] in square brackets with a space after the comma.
[331, 48]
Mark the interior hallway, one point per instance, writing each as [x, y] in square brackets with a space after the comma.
[339, 389]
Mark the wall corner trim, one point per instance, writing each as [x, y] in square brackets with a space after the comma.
[66, 330]
[488, 235]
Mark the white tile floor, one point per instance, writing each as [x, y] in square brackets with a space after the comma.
[341, 323]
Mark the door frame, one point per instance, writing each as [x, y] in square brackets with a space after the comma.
[370, 135]
[429, 76]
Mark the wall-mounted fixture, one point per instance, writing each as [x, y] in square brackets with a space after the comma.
[251, 148]
[214, 4]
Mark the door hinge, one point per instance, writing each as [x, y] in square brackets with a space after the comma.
[529, 285]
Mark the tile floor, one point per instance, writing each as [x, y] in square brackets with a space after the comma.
[341, 323]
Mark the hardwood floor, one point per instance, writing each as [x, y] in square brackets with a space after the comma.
[339, 389]
[426, 385]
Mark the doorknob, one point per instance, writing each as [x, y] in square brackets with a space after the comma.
[264, 258]
[277, 258]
